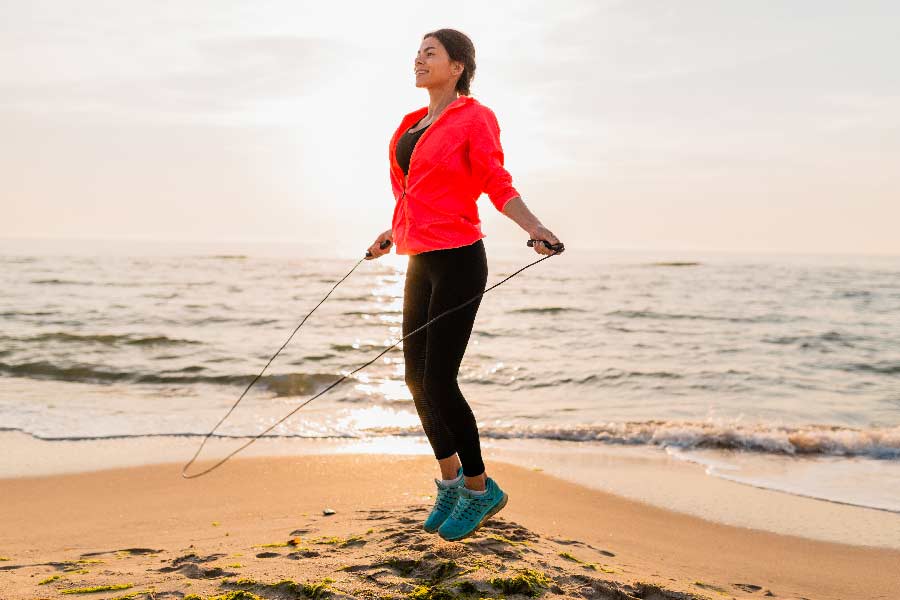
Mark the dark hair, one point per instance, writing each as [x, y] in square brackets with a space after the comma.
[460, 48]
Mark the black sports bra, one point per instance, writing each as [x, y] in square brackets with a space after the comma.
[405, 146]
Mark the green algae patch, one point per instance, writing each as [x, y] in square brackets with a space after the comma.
[49, 579]
[585, 564]
[463, 589]
[605, 569]
[431, 592]
[77, 566]
[309, 590]
[291, 542]
[339, 541]
[709, 586]
[134, 595]
[506, 540]
[317, 590]
[5, 558]
[466, 587]
[98, 588]
[232, 595]
[478, 563]
[527, 581]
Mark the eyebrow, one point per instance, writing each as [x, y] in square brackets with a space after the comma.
[429, 48]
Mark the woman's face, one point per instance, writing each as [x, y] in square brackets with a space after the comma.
[433, 67]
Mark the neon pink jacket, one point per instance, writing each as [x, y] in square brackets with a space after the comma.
[458, 158]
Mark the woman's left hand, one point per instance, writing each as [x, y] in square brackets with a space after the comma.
[542, 233]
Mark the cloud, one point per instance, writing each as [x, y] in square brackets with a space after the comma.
[223, 75]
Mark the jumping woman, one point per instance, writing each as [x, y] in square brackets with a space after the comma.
[442, 158]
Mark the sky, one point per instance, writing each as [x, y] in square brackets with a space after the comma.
[720, 126]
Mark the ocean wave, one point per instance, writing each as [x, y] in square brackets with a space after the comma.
[360, 347]
[816, 340]
[373, 312]
[649, 314]
[186, 434]
[27, 313]
[59, 282]
[833, 440]
[802, 440]
[547, 309]
[882, 368]
[109, 339]
[287, 384]
[611, 374]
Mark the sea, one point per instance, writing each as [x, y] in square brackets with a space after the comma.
[773, 370]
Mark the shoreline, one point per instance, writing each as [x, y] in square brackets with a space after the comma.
[254, 500]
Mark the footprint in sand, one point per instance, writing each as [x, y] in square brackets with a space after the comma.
[128, 550]
[192, 571]
[187, 566]
[302, 554]
[568, 542]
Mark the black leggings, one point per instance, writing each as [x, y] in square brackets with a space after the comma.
[437, 281]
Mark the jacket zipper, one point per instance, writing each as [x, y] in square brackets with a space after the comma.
[418, 143]
[416, 147]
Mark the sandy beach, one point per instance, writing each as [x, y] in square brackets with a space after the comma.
[257, 528]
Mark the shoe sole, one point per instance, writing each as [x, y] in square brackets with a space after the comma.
[489, 514]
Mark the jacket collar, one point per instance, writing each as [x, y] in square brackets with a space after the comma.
[421, 112]
[414, 117]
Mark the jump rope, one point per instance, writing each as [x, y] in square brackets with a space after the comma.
[557, 248]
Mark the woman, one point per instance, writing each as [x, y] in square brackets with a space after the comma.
[442, 158]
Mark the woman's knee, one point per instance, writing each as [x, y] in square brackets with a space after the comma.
[444, 388]
[415, 383]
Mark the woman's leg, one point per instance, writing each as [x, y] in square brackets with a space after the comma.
[459, 274]
[416, 299]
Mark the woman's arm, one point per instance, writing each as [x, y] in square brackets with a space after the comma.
[486, 156]
[516, 210]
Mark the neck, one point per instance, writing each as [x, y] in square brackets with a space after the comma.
[440, 99]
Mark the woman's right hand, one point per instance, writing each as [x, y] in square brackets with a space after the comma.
[375, 249]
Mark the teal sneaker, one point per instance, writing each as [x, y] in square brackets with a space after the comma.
[472, 510]
[443, 505]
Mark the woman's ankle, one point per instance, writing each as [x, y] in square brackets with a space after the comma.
[477, 483]
[447, 474]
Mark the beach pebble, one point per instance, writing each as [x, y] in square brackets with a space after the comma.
[328, 511]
